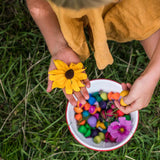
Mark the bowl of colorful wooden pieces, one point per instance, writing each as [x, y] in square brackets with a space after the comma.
[99, 125]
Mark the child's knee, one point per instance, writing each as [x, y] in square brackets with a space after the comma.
[38, 8]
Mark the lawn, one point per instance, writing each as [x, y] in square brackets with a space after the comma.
[32, 121]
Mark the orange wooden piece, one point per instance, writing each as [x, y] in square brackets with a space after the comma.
[78, 116]
[115, 96]
[98, 109]
[87, 106]
[78, 109]
[82, 122]
[110, 95]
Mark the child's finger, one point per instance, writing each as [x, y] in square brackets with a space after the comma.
[123, 109]
[70, 98]
[87, 82]
[117, 104]
[129, 99]
[130, 108]
[129, 85]
[49, 87]
[124, 86]
[85, 92]
[80, 97]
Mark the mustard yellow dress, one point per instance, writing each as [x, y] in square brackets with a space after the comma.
[122, 21]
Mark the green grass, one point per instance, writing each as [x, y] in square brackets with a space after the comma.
[32, 121]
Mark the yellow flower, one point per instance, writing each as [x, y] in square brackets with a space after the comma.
[68, 77]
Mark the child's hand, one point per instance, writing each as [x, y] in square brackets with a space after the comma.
[139, 96]
[67, 55]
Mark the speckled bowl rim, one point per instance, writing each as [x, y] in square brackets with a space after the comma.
[74, 134]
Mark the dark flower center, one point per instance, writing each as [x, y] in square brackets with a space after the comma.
[69, 74]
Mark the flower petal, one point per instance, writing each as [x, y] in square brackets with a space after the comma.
[57, 77]
[121, 120]
[76, 66]
[80, 84]
[81, 76]
[114, 134]
[68, 87]
[60, 65]
[51, 77]
[56, 71]
[55, 85]
[79, 71]
[61, 83]
[128, 127]
[75, 85]
[120, 138]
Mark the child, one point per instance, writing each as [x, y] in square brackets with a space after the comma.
[62, 23]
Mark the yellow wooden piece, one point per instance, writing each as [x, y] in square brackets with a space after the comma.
[124, 93]
[101, 125]
[122, 102]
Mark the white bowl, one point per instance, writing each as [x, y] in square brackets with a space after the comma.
[107, 86]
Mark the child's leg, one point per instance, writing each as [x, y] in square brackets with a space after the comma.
[150, 43]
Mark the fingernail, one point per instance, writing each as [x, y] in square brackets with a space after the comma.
[88, 85]
[86, 97]
[73, 103]
[83, 102]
